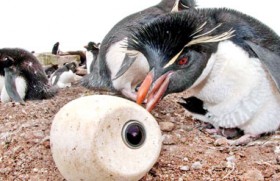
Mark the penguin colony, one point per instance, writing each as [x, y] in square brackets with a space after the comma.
[22, 77]
[227, 61]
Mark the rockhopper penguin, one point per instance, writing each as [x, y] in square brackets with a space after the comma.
[91, 55]
[64, 76]
[50, 69]
[114, 69]
[24, 76]
[55, 49]
[228, 60]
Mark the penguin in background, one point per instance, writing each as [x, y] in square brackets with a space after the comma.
[55, 49]
[24, 76]
[228, 60]
[50, 69]
[80, 53]
[91, 55]
[116, 71]
[64, 76]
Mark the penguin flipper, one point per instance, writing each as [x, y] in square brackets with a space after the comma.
[269, 59]
[127, 62]
[10, 84]
[193, 105]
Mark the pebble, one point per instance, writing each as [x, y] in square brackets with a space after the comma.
[253, 175]
[5, 170]
[230, 161]
[185, 168]
[221, 142]
[181, 179]
[6, 137]
[167, 126]
[169, 139]
[186, 128]
[196, 166]
[277, 150]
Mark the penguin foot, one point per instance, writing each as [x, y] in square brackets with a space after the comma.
[243, 140]
[128, 94]
[213, 131]
[228, 133]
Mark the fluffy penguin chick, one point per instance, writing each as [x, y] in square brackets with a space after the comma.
[64, 76]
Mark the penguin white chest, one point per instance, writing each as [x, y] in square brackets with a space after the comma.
[89, 58]
[239, 92]
[21, 88]
[2, 82]
[65, 79]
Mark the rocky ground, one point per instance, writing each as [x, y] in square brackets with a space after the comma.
[188, 152]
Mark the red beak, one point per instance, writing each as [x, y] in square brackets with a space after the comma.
[157, 91]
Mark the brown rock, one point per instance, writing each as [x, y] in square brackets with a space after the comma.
[167, 126]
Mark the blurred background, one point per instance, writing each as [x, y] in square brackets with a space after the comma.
[36, 25]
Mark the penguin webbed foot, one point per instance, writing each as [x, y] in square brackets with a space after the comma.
[19, 103]
[230, 133]
[244, 140]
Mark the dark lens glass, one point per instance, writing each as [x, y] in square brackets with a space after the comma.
[134, 134]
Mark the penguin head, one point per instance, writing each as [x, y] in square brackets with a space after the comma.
[56, 45]
[177, 47]
[91, 46]
[6, 61]
[11, 56]
[71, 66]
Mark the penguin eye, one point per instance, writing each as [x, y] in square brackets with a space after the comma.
[183, 6]
[183, 61]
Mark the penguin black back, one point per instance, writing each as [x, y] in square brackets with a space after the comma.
[55, 48]
[50, 69]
